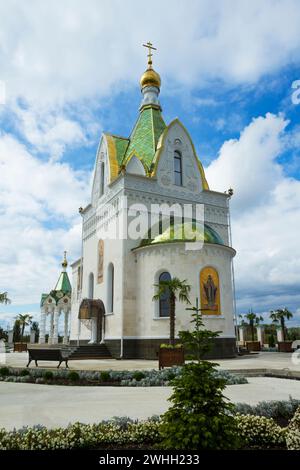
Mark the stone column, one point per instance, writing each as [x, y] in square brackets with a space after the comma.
[102, 329]
[10, 337]
[32, 336]
[42, 326]
[51, 327]
[241, 334]
[279, 335]
[66, 327]
[55, 326]
[260, 335]
[93, 331]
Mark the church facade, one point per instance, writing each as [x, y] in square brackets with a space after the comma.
[156, 166]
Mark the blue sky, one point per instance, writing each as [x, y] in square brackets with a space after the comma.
[71, 70]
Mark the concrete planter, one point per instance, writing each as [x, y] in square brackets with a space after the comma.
[285, 346]
[253, 345]
[168, 357]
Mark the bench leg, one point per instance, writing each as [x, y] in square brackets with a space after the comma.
[59, 364]
[66, 361]
[36, 364]
[29, 362]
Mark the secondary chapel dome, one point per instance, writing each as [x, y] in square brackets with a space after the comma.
[183, 232]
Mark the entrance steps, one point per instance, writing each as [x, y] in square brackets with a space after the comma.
[89, 351]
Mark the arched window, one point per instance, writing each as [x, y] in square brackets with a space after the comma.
[91, 286]
[102, 175]
[177, 168]
[110, 288]
[164, 301]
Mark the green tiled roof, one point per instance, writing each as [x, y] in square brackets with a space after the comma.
[63, 283]
[121, 144]
[43, 297]
[145, 135]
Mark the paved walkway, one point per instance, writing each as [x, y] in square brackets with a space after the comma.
[50, 405]
[264, 360]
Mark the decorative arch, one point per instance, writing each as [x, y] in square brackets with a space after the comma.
[135, 166]
[100, 261]
[210, 291]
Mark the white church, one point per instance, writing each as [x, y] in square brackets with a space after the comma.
[113, 283]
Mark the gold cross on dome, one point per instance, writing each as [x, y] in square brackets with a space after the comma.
[150, 47]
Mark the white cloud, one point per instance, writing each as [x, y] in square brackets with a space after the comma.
[39, 219]
[67, 50]
[265, 214]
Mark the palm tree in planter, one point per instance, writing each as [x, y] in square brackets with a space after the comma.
[280, 316]
[25, 320]
[252, 320]
[174, 289]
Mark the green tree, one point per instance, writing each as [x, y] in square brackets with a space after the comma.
[17, 331]
[175, 289]
[253, 320]
[25, 320]
[280, 316]
[200, 417]
[197, 342]
[4, 299]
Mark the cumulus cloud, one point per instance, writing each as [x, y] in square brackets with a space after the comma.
[265, 214]
[65, 50]
[39, 219]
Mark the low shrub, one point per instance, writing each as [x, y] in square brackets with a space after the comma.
[293, 432]
[137, 375]
[259, 431]
[105, 376]
[4, 371]
[73, 376]
[24, 372]
[48, 375]
[276, 409]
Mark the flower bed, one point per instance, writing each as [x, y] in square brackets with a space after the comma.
[138, 378]
[256, 432]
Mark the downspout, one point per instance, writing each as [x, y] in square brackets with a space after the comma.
[230, 194]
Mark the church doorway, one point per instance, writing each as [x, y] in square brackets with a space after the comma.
[92, 312]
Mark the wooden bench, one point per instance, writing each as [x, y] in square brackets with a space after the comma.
[47, 355]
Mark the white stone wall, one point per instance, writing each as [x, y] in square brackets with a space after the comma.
[172, 257]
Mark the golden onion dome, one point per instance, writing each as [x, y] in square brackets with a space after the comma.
[150, 78]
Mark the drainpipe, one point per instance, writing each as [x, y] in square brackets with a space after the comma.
[230, 193]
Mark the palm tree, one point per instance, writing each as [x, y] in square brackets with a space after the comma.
[4, 299]
[253, 321]
[174, 288]
[280, 316]
[24, 321]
